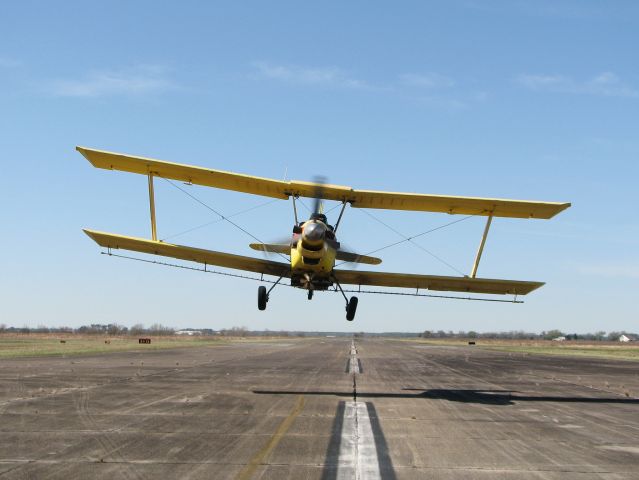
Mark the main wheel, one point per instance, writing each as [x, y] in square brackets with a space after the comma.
[262, 297]
[310, 294]
[351, 308]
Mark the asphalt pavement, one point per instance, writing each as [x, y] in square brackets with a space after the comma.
[322, 408]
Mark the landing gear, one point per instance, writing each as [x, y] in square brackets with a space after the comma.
[351, 308]
[351, 305]
[310, 294]
[262, 297]
[262, 294]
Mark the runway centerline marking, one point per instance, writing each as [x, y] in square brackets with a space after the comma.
[358, 451]
[354, 364]
[358, 457]
[259, 457]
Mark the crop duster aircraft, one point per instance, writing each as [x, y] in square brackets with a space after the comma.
[313, 248]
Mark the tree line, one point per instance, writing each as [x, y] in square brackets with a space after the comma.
[95, 329]
[600, 336]
[157, 329]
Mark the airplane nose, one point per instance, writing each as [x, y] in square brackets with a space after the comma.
[314, 233]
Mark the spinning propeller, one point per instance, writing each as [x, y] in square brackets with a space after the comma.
[315, 232]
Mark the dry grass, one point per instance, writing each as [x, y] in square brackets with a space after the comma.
[48, 344]
[37, 344]
[616, 350]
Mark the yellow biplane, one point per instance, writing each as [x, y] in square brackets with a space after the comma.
[313, 248]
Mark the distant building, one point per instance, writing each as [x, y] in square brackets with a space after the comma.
[188, 332]
[627, 337]
[559, 339]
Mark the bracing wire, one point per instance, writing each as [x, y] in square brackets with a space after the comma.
[299, 200]
[407, 239]
[262, 279]
[222, 217]
[337, 205]
[218, 220]
[304, 205]
[410, 239]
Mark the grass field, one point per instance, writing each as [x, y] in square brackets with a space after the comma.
[33, 344]
[616, 350]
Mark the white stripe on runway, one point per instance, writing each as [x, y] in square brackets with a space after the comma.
[357, 453]
[354, 365]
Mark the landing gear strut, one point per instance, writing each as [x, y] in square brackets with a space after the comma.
[351, 305]
[262, 294]
[310, 294]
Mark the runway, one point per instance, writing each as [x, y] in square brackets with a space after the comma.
[319, 409]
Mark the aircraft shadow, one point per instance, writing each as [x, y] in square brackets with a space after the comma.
[485, 397]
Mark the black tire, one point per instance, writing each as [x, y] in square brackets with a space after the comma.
[351, 308]
[310, 294]
[262, 297]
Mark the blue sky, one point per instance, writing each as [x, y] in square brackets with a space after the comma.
[527, 100]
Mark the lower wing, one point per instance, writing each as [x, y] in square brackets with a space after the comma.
[285, 249]
[199, 255]
[435, 282]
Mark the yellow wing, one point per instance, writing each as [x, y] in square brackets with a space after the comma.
[199, 255]
[285, 249]
[358, 198]
[434, 282]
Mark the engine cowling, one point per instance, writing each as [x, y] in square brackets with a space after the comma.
[313, 235]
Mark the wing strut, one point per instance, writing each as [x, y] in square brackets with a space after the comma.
[480, 250]
[341, 212]
[154, 233]
[295, 211]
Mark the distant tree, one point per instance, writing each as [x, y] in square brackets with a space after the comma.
[600, 335]
[159, 329]
[426, 334]
[3, 327]
[472, 334]
[137, 329]
[614, 336]
[242, 332]
[552, 334]
[115, 329]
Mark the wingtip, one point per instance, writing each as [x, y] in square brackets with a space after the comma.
[84, 151]
[92, 234]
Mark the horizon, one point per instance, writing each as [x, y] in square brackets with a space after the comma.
[460, 333]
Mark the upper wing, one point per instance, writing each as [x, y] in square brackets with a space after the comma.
[199, 255]
[358, 198]
[435, 282]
